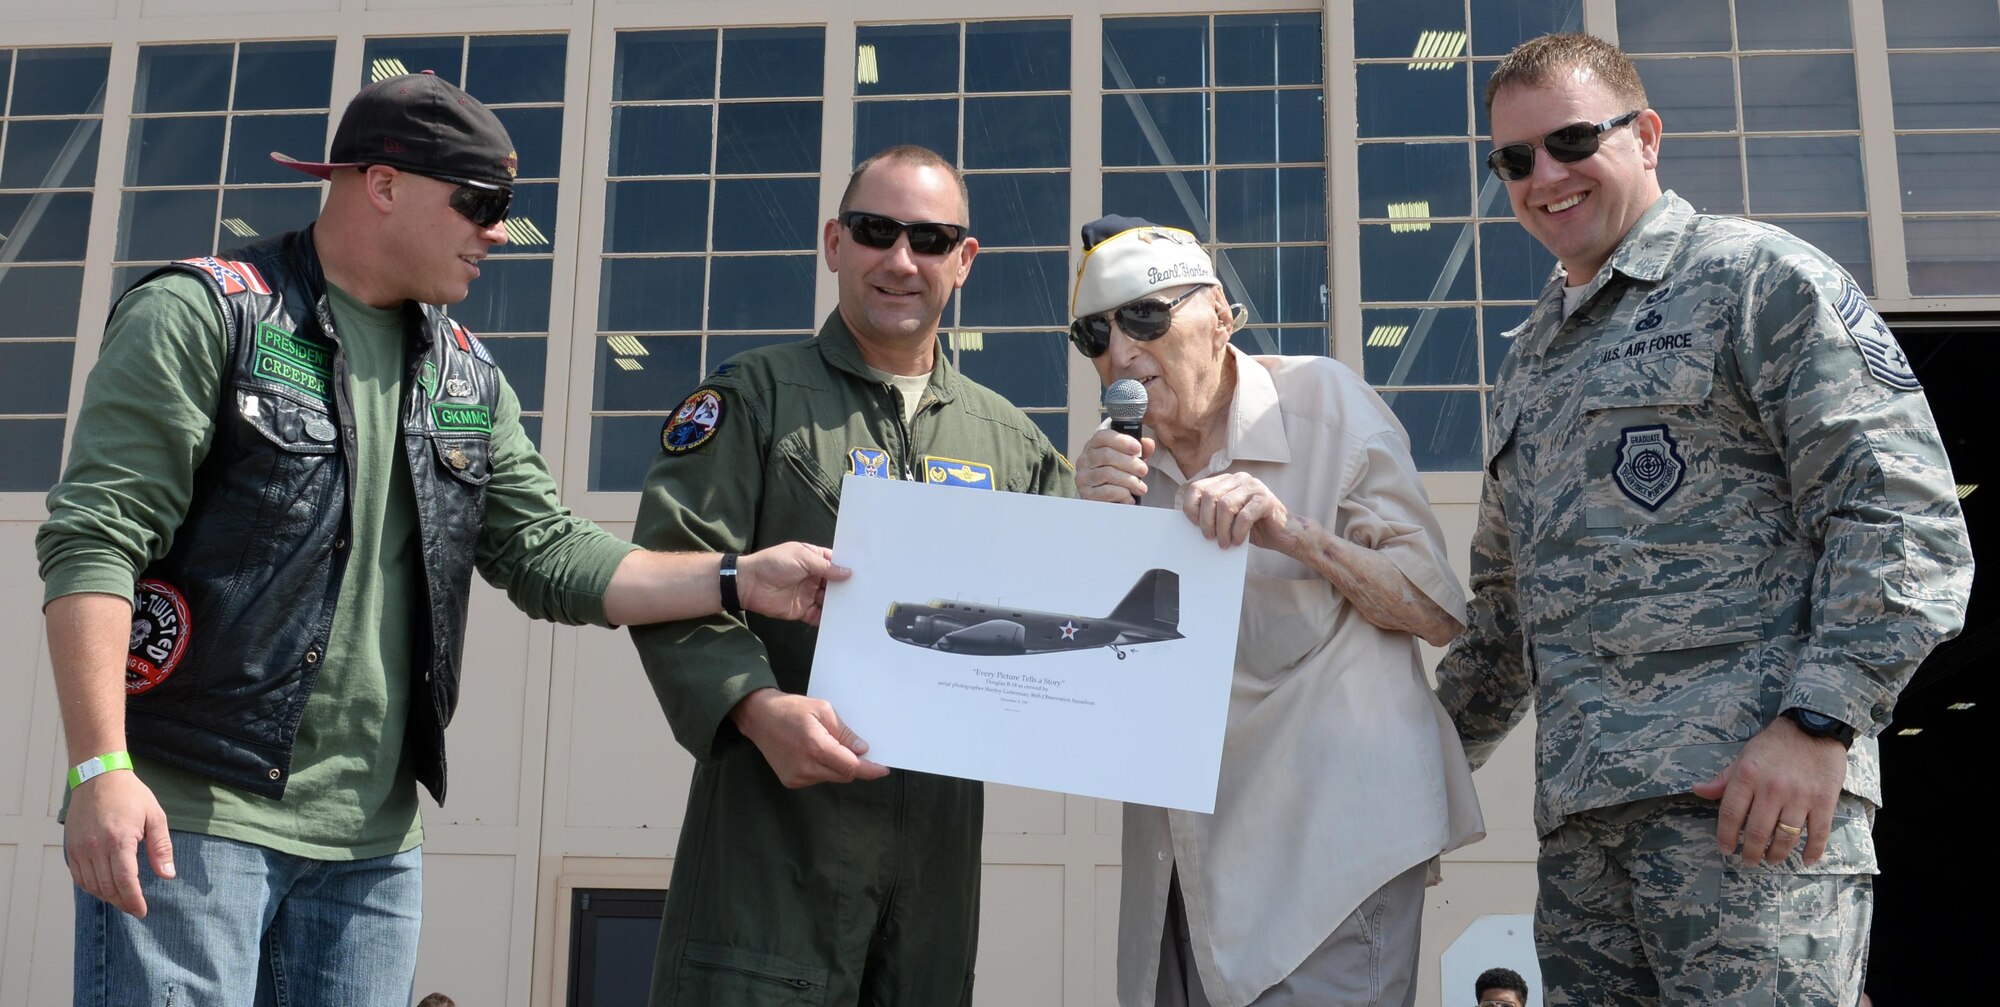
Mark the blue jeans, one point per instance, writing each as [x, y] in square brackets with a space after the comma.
[244, 925]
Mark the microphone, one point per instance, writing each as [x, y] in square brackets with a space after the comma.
[1125, 403]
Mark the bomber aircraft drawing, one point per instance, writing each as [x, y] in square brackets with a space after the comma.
[1150, 613]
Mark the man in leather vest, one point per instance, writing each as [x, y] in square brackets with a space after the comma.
[288, 462]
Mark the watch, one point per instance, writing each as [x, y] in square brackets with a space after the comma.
[1819, 725]
[730, 601]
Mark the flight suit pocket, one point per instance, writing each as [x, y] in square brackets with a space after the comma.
[720, 974]
[803, 470]
[1283, 622]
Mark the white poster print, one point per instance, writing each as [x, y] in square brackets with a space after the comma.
[1057, 644]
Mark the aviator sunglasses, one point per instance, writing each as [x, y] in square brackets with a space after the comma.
[927, 237]
[1144, 320]
[483, 203]
[1567, 145]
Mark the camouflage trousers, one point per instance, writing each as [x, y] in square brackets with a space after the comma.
[1638, 907]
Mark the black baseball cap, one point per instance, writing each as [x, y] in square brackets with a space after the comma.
[418, 122]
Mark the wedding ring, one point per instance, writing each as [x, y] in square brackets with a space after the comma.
[1793, 831]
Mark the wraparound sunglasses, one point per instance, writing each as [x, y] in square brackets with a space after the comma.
[1570, 144]
[1145, 320]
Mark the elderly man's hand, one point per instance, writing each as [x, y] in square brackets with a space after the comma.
[1112, 467]
[788, 581]
[1234, 507]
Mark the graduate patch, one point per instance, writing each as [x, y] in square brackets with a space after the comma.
[954, 472]
[159, 635]
[870, 462]
[1877, 344]
[1649, 465]
[286, 359]
[693, 423]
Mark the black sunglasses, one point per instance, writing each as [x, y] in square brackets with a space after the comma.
[927, 237]
[483, 203]
[1567, 145]
[1145, 320]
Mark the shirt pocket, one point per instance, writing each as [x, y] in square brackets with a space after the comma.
[1680, 372]
[468, 460]
[1634, 627]
[1283, 622]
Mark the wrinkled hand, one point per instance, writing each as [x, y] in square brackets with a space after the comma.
[110, 816]
[1234, 507]
[803, 739]
[1112, 467]
[787, 581]
[1781, 775]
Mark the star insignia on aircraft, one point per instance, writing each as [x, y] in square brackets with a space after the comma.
[1068, 630]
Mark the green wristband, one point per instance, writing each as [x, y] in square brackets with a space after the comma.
[97, 766]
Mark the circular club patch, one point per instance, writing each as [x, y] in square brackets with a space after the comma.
[159, 635]
[693, 423]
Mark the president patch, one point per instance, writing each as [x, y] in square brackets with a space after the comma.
[693, 423]
[955, 472]
[159, 635]
[1649, 465]
[1877, 344]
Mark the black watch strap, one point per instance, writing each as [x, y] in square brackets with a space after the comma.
[731, 603]
[1819, 725]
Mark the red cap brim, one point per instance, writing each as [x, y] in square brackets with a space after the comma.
[318, 169]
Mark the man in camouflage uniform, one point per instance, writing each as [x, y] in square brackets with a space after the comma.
[863, 889]
[1718, 533]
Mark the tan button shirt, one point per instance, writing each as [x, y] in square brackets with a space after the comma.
[1339, 769]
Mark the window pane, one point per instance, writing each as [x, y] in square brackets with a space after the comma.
[537, 136]
[38, 303]
[1276, 284]
[622, 448]
[664, 65]
[252, 138]
[531, 427]
[1257, 126]
[511, 295]
[1953, 256]
[49, 154]
[1271, 204]
[60, 81]
[183, 78]
[773, 62]
[1948, 172]
[931, 123]
[643, 295]
[766, 214]
[1419, 346]
[1017, 56]
[1959, 90]
[49, 227]
[1054, 426]
[762, 292]
[1513, 265]
[1944, 23]
[525, 362]
[284, 75]
[1708, 173]
[1843, 238]
[1443, 428]
[1014, 210]
[1155, 52]
[1301, 342]
[1420, 179]
[906, 59]
[721, 348]
[1168, 198]
[166, 225]
[6, 75]
[34, 377]
[1685, 26]
[1799, 93]
[1163, 129]
[660, 139]
[1253, 49]
[30, 455]
[1394, 100]
[1433, 265]
[387, 57]
[656, 217]
[1029, 368]
[758, 138]
[511, 68]
[1500, 322]
[1482, 120]
[1017, 132]
[654, 380]
[1793, 24]
[1805, 174]
[1695, 95]
[1500, 25]
[1016, 288]
[185, 151]
[1388, 28]
[531, 220]
[266, 212]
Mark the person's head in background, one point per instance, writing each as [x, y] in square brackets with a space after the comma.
[1501, 988]
[437, 1000]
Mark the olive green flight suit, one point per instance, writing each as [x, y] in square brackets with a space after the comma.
[856, 893]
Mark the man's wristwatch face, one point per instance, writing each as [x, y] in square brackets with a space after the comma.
[1819, 725]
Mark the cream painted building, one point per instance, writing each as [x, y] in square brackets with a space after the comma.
[677, 158]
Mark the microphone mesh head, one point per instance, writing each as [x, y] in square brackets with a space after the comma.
[1125, 400]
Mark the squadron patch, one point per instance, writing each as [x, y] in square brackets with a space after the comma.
[1649, 465]
[159, 635]
[693, 423]
[1877, 344]
[870, 462]
[956, 472]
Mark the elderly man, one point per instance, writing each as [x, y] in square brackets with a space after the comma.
[1717, 536]
[1342, 780]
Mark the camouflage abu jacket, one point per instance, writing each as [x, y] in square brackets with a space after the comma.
[1712, 493]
